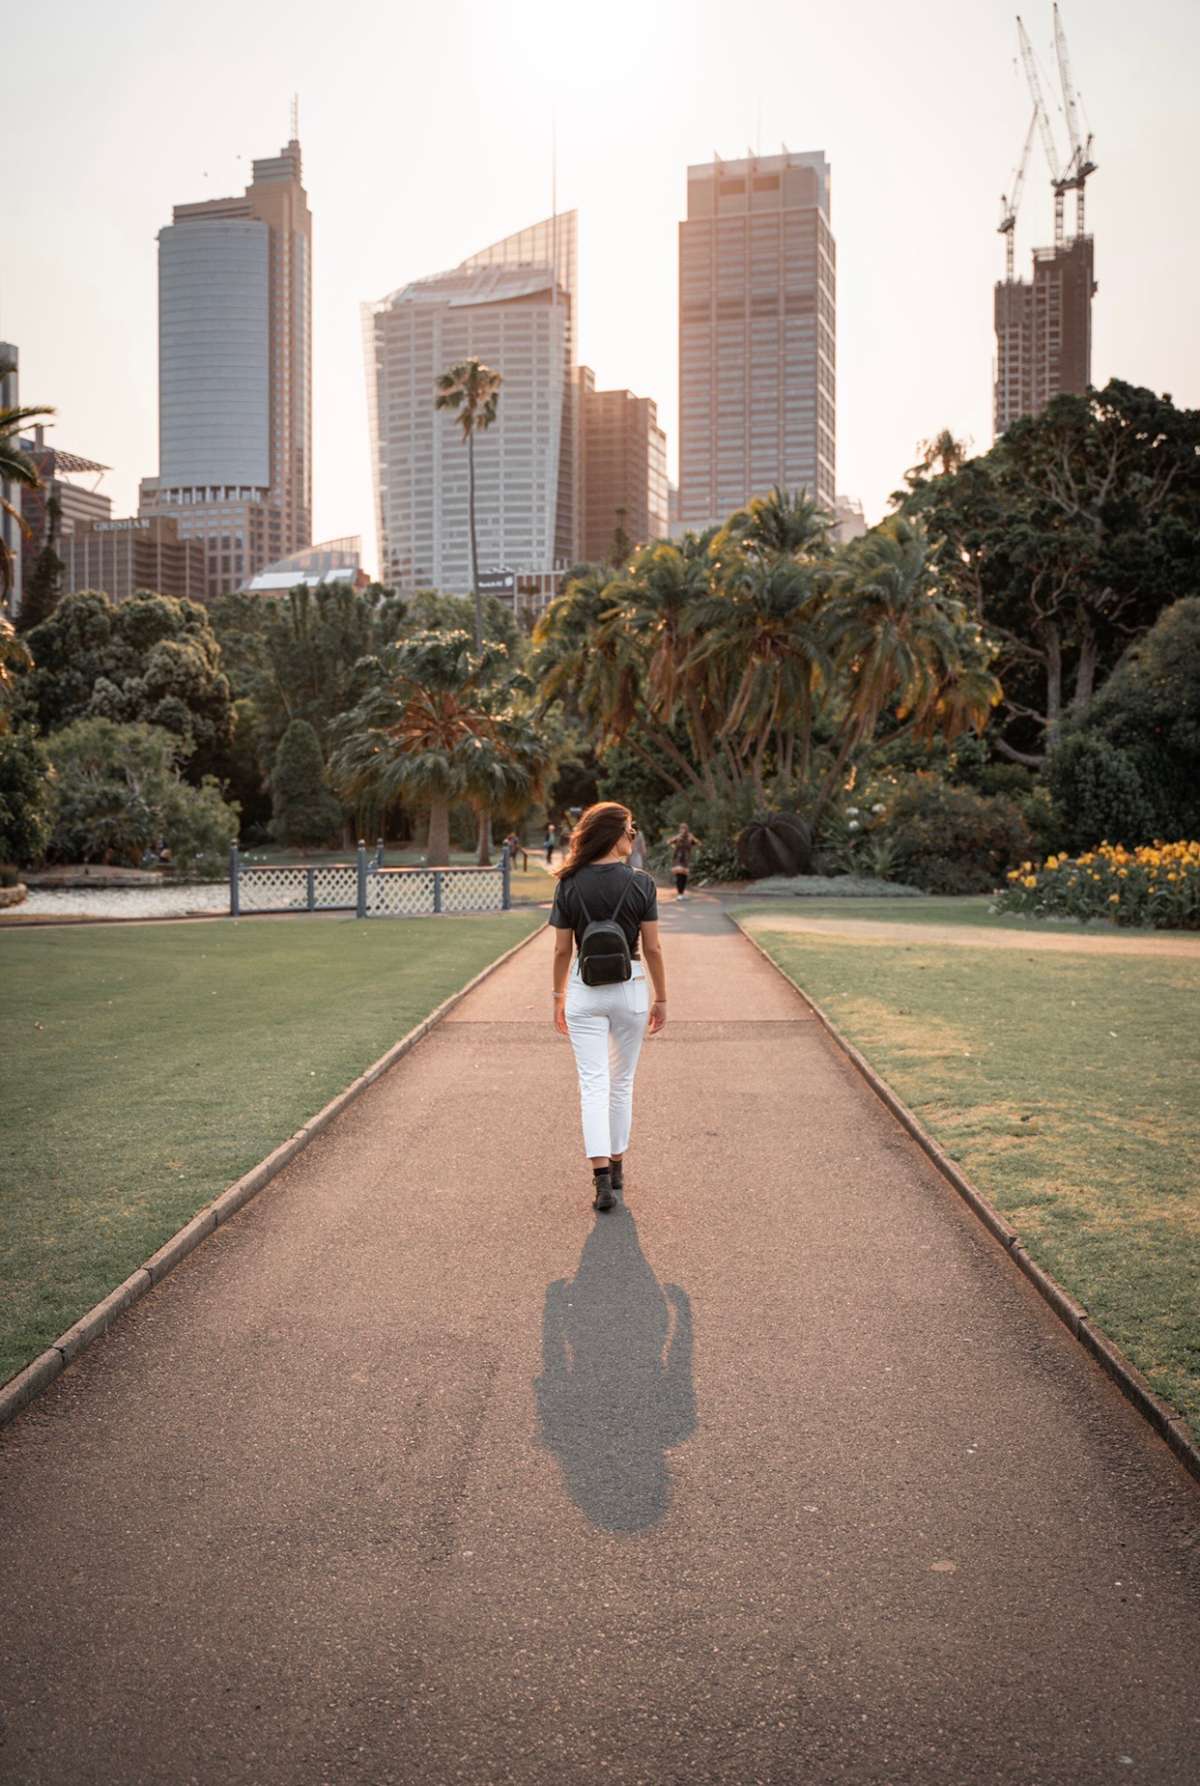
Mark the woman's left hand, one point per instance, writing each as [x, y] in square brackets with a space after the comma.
[560, 1017]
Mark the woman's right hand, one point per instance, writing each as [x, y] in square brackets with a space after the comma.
[658, 1016]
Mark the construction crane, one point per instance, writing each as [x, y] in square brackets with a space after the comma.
[1057, 179]
[1081, 163]
[1008, 205]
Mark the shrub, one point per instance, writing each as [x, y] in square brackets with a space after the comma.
[775, 843]
[303, 811]
[1131, 768]
[946, 839]
[119, 792]
[1098, 791]
[27, 797]
[1157, 885]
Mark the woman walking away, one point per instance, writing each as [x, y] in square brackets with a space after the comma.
[601, 1001]
[682, 845]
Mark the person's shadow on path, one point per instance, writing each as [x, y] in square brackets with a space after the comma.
[615, 1394]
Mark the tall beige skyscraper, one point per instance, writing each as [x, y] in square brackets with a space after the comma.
[511, 305]
[757, 334]
[235, 373]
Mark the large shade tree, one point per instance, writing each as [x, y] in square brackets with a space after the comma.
[153, 659]
[1068, 539]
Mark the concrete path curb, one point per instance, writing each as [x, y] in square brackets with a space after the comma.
[1166, 1420]
[21, 1389]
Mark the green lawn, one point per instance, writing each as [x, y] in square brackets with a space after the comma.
[1066, 1086]
[148, 1066]
[929, 909]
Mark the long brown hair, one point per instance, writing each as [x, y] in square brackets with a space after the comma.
[598, 829]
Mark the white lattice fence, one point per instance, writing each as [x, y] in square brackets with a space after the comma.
[366, 887]
[400, 893]
[275, 889]
[473, 890]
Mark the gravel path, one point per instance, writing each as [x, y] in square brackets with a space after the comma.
[123, 902]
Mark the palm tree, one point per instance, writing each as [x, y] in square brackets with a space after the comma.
[14, 660]
[901, 643]
[428, 732]
[16, 467]
[776, 525]
[471, 391]
[762, 632]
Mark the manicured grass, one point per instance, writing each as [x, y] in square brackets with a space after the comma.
[930, 909]
[1065, 1085]
[148, 1066]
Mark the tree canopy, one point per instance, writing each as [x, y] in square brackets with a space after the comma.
[1067, 540]
[153, 659]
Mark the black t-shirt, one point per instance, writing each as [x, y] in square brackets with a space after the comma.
[602, 884]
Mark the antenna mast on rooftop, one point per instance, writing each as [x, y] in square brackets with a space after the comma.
[295, 137]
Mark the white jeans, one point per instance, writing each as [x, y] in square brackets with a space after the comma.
[606, 1025]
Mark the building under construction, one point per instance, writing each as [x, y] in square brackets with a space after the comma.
[1044, 324]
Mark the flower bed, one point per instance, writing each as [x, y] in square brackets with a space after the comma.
[1156, 885]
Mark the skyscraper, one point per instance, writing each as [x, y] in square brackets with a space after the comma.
[757, 334]
[512, 306]
[1044, 331]
[10, 493]
[60, 505]
[624, 470]
[235, 373]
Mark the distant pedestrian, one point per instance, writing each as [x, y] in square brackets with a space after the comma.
[683, 845]
[515, 847]
[551, 840]
[601, 1000]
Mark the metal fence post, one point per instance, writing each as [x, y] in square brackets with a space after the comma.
[379, 852]
[361, 910]
[235, 904]
[310, 878]
[437, 891]
[506, 881]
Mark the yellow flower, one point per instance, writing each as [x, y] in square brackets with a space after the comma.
[1114, 899]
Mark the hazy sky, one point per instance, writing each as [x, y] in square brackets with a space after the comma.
[426, 132]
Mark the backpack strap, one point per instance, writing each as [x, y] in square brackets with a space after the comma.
[587, 916]
[628, 888]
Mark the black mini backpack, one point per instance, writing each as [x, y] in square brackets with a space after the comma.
[604, 958]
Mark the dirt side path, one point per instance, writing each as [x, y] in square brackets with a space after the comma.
[975, 936]
[420, 1470]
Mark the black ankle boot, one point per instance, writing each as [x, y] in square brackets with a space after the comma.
[617, 1174]
[602, 1182]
